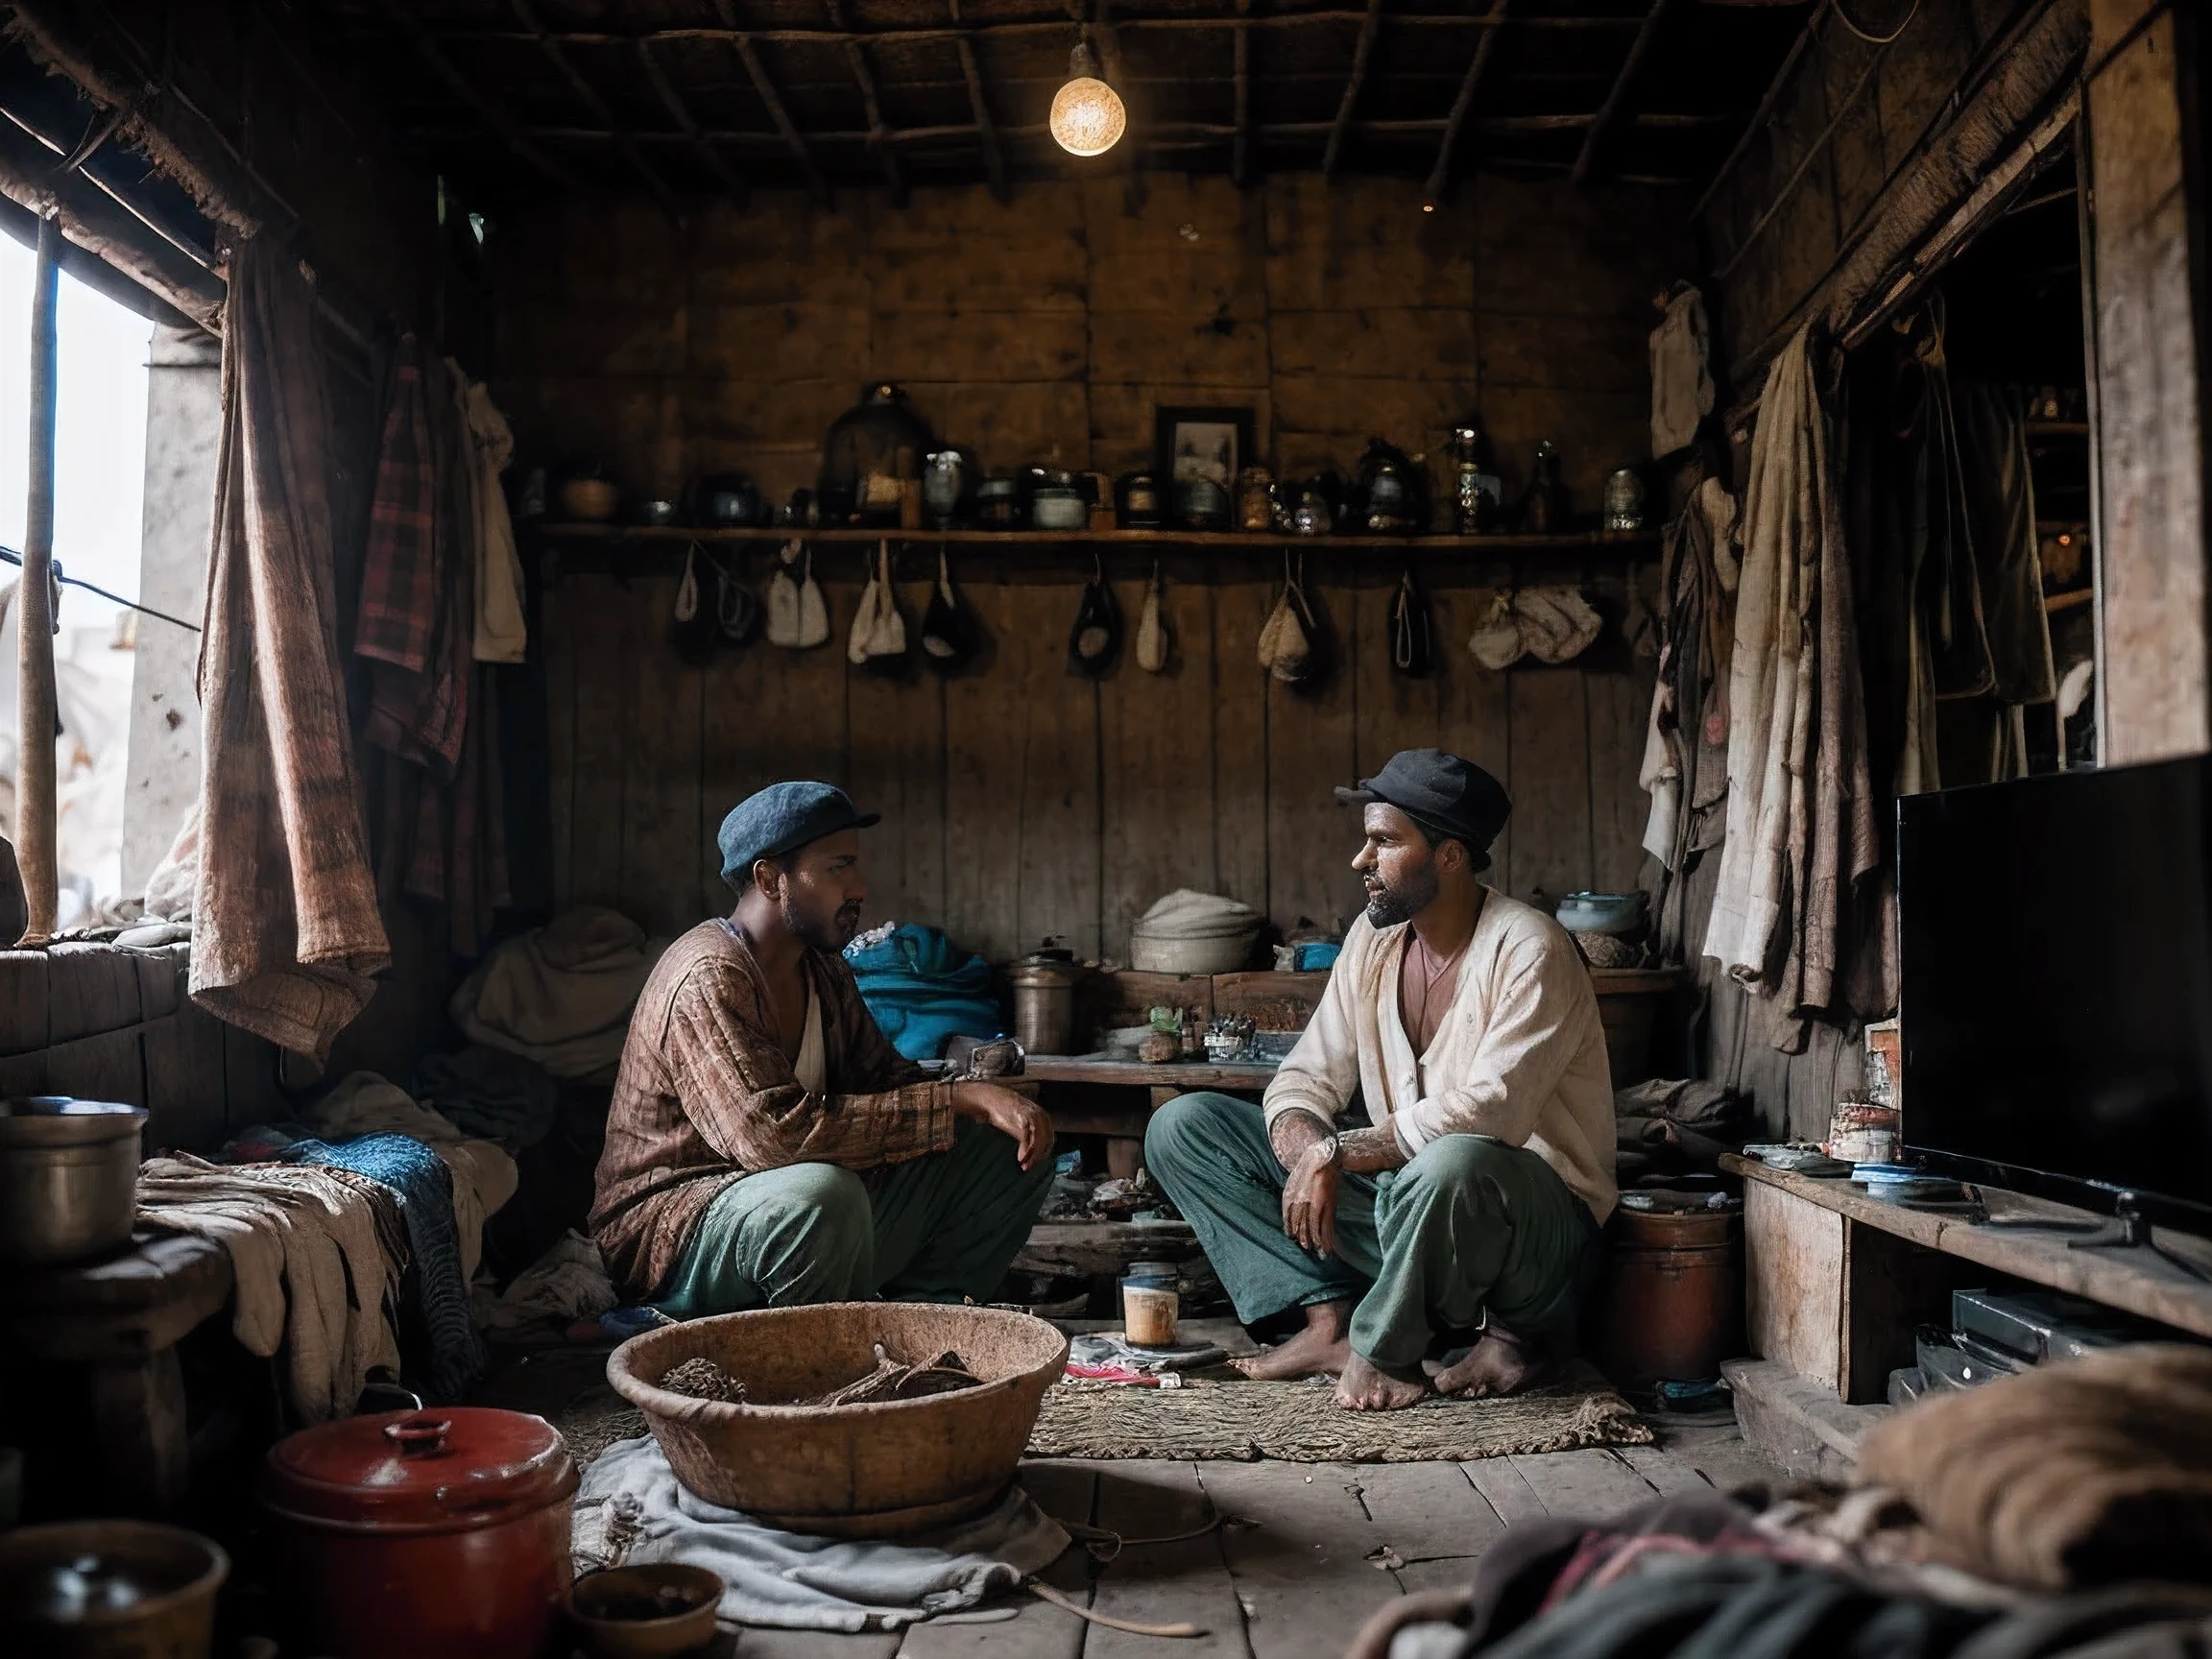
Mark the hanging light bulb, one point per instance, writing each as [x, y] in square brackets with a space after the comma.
[1088, 118]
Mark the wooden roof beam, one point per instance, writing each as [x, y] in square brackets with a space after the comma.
[1369, 27]
[879, 134]
[1440, 176]
[923, 36]
[596, 105]
[492, 114]
[1609, 111]
[993, 153]
[702, 146]
[756, 72]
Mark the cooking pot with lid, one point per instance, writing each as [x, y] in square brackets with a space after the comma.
[68, 1178]
[439, 1535]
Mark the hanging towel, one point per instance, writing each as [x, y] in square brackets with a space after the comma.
[501, 634]
[287, 938]
[1152, 641]
[1801, 829]
[1681, 374]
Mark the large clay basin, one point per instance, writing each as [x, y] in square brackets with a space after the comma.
[874, 1471]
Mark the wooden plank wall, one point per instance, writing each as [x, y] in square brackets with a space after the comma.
[1020, 800]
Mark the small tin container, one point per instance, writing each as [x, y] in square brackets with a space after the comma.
[1150, 1303]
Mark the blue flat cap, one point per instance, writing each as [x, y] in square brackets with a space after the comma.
[1445, 794]
[781, 819]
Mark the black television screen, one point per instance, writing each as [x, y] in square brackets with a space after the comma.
[2055, 980]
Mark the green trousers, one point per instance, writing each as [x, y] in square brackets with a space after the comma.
[935, 1229]
[1469, 1228]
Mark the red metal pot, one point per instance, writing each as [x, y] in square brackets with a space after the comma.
[438, 1534]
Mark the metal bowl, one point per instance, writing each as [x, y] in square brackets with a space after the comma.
[68, 1178]
[870, 1471]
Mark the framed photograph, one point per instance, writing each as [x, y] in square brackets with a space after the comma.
[1212, 446]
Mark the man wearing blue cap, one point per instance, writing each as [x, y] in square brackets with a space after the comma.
[766, 1145]
[1472, 1202]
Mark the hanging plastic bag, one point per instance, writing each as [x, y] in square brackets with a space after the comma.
[1409, 646]
[947, 629]
[1287, 644]
[1556, 623]
[1152, 642]
[1095, 640]
[1495, 643]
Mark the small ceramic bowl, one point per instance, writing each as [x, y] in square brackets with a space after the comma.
[649, 1612]
[1601, 912]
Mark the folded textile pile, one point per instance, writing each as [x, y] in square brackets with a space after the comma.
[316, 1276]
[630, 1509]
[1709, 1575]
[560, 995]
[454, 1357]
[1676, 1127]
[2066, 1476]
[490, 1093]
[567, 1283]
[922, 991]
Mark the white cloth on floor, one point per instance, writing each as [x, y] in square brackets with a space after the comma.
[566, 1284]
[561, 994]
[311, 1278]
[1681, 372]
[631, 1508]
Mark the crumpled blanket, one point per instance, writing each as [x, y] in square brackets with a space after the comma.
[567, 1283]
[561, 994]
[923, 993]
[456, 1357]
[2066, 1476]
[632, 1509]
[311, 1278]
[492, 1093]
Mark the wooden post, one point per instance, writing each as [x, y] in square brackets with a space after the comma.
[35, 609]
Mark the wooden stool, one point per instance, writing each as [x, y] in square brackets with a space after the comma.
[122, 1318]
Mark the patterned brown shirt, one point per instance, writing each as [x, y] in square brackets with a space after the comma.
[704, 1096]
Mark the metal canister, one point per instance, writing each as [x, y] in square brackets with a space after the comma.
[1045, 1002]
[1672, 1307]
[68, 1178]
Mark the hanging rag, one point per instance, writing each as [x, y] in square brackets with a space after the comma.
[1096, 639]
[501, 633]
[922, 991]
[1288, 638]
[1410, 647]
[947, 628]
[1152, 638]
[2000, 493]
[1556, 624]
[1495, 643]
[560, 995]
[1681, 371]
[1801, 822]
[288, 939]
[453, 1356]
[878, 637]
[632, 1509]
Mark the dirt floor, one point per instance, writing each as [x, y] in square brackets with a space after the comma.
[1306, 1551]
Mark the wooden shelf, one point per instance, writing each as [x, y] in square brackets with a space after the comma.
[677, 534]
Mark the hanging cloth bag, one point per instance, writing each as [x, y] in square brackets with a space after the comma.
[1495, 643]
[1410, 647]
[1095, 640]
[947, 629]
[1286, 637]
[1152, 628]
[813, 610]
[787, 602]
[879, 637]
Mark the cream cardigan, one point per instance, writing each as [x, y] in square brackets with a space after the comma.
[1520, 1056]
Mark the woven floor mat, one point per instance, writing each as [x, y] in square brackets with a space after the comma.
[1301, 1423]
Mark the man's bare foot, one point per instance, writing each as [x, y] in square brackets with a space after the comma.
[1500, 1363]
[1323, 1346]
[1366, 1387]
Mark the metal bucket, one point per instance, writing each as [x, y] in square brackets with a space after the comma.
[68, 1178]
[1673, 1304]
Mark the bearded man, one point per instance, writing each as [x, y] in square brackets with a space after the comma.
[766, 1145]
[1472, 1201]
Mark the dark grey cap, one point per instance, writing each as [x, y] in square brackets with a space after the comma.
[781, 819]
[1449, 798]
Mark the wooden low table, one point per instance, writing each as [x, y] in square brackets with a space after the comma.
[121, 1318]
[1123, 1123]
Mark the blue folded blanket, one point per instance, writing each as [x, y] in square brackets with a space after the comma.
[923, 993]
[457, 1356]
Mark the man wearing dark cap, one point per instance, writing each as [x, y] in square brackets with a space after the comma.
[766, 1145]
[1470, 1201]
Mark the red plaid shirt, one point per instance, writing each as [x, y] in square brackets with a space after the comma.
[398, 613]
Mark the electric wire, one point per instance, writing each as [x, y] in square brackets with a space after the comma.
[11, 556]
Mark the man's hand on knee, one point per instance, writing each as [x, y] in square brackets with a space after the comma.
[1013, 1114]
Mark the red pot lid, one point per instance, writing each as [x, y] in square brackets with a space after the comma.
[446, 1470]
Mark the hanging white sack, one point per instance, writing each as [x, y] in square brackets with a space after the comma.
[1152, 629]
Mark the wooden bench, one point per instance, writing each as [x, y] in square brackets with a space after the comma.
[121, 1319]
